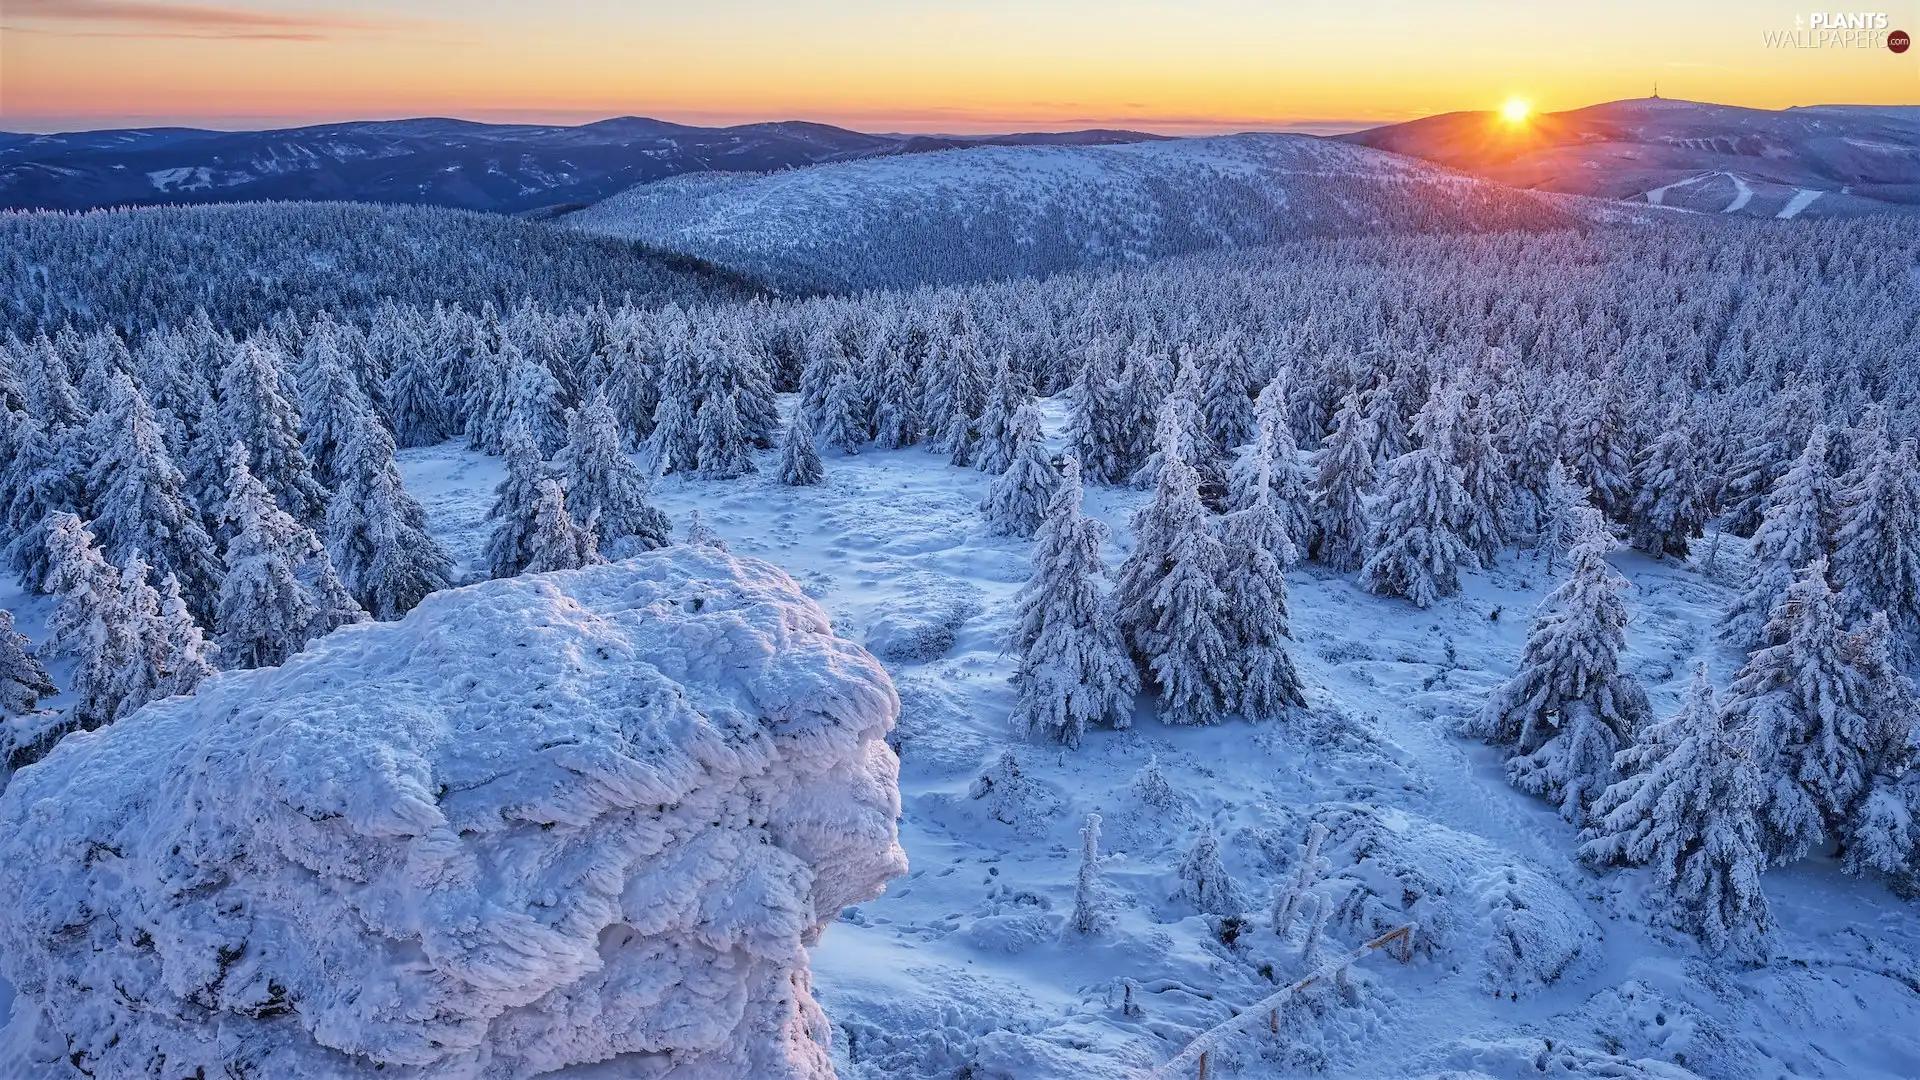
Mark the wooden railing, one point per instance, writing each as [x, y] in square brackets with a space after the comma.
[1195, 1055]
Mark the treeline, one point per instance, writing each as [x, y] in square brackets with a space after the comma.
[244, 264]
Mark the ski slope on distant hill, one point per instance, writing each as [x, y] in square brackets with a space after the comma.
[1827, 160]
[1001, 212]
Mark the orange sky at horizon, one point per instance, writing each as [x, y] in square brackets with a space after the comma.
[910, 65]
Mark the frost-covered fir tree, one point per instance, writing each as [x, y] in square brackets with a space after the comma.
[92, 623]
[1594, 445]
[1343, 475]
[47, 475]
[416, 401]
[603, 483]
[1876, 549]
[1017, 499]
[140, 502]
[1795, 529]
[515, 502]
[1256, 623]
[1669, 497]
[268, 607]
[1091, 913]
[256, 412]
[1812, 715]
[1227, 400]
[1074, 670]
[1289, 480]
[725, 452]
[1568, 708]
[1415, 549]
[376, 534]
[556, 541]
[1204, 881]
[1168, 596]
[185, 655]
[1566, 514]
[23, 679]
[331, 405]
[800, 464]
[897, 420]
[1687, 805]
[700, 534]
[535, 402]
[841, 426]
[1485, 473]
[995, 434]
[1099, 427]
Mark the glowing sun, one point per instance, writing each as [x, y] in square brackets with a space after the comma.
[1516, 111]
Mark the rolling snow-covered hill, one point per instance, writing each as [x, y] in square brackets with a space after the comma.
[1013, 211]
[1828, 160]
[497, 167]
[242, 263]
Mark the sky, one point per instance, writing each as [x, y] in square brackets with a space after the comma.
[1187, 67]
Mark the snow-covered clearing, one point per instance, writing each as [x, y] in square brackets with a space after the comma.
[967, 967]
[1742, 194]
[1802, 199]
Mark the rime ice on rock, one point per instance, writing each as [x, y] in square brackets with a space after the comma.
[538, 822]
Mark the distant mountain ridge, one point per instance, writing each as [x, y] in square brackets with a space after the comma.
[1824, 160]
[1018, 211]
[505, 168]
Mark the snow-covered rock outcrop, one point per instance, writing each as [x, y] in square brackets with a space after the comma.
[539, 822]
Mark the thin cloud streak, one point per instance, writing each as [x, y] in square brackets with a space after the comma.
[189, 20]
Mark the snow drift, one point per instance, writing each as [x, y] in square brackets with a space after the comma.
[539, 822]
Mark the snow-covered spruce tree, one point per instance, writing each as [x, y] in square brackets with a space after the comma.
[897, 420]
[91, 622]
[1168, 596]
[1687, 804]
[994, 431]
[1289, 480]
[1415, 549]
[1595, 446]
[377, 535]
[1776, 440]
[331, 404]
[699, 534]
[800, 464]
[23, 679]
[1074, 670]
[1101, 416]
[1342, 476]
[1309, 866]
[1876, 551]
[1795, 529]
[726, 453]
[1227, 400]
[1204, 881]
[46, 476]
[1568, 707]
[1091, 913]
[1669, 499]
[416, 400]
[1256, 622]
[140, 502]
[1812, 717]
[185, 655]
[1485, 473]
[535, 402]
[1881, 832]
[515, 498]
[255, 412]
[557, 542]
[841, 426]
[1017, 499]
[1534, 452]
[269, 605]
[603, 483]
[1566, 514]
